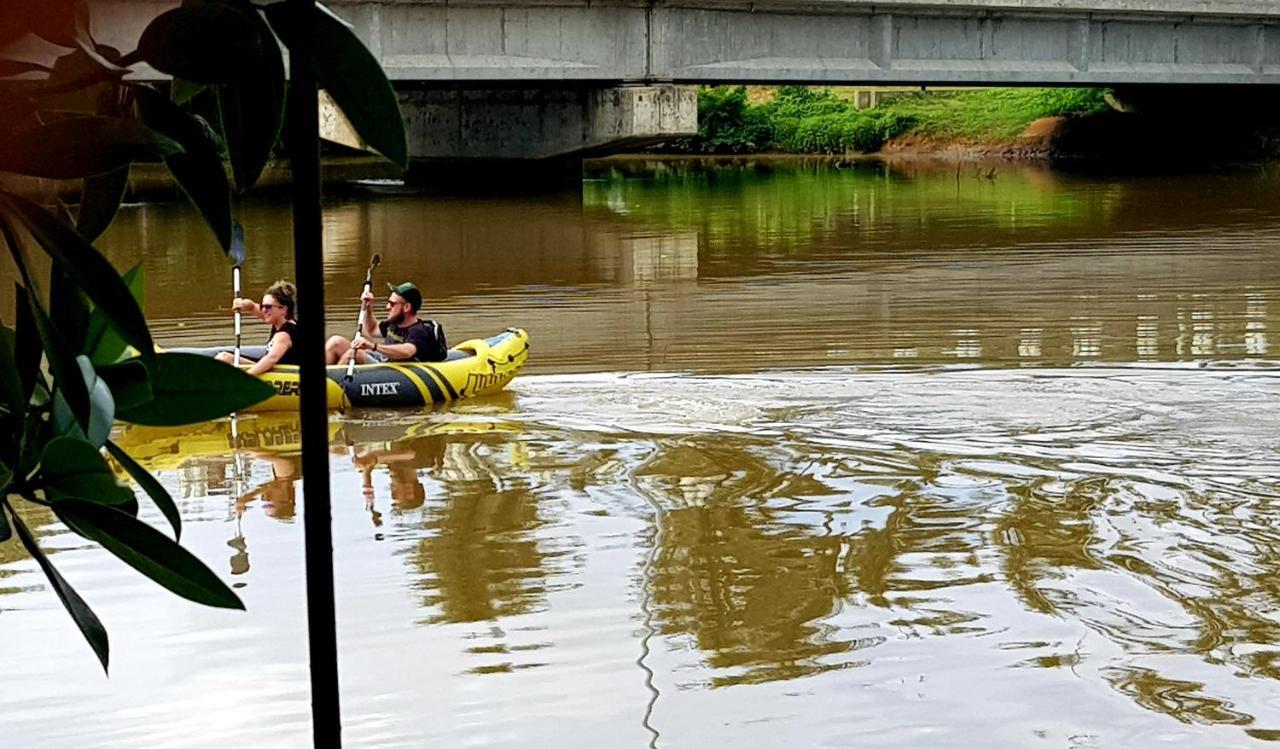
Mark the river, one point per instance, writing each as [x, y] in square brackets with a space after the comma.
[806, 455]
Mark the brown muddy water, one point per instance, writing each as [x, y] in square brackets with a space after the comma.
[804, 456]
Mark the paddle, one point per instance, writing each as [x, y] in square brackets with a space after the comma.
[235, 285]
[236, 252]
[237, 257]
[368, 287]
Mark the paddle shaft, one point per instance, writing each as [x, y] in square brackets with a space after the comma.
[235, 361]
[235, 285]
[368, 287]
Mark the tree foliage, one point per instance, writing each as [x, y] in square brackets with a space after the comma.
[78, 354]
[798, 119]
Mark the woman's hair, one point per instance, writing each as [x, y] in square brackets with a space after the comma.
[285, 293]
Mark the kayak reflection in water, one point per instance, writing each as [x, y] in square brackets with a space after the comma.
[279, 310]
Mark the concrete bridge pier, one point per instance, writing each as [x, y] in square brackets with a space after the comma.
[530, 134]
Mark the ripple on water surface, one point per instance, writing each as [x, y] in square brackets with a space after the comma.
[825, 557]
[907, 555]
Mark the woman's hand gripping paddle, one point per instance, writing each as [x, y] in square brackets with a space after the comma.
[237, 258]
[368, 287]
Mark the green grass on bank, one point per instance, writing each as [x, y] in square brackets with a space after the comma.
[993, 114]
[799, 119]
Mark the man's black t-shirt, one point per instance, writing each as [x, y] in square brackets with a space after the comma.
[426, 336]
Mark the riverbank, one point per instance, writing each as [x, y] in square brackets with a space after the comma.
[155, 182]
[1050, 124]
[1134, 129]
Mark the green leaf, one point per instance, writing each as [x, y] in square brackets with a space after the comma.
[12, 394]
[183, 91]
[151, 486]
[204, 43]
[27, 349]
[68, 381]
[189, 389]
[10, 30]
[252, 111]
[103, 342]
[73, 469]
[99, 201]
[89, 269]
[18, 67]
[74, 147]
[80, 612]
[198, 168]
[147, 550]
[102, 409]
[35, 435]
[68, 309]
[102, 404]
[103, 56]
[130, 382]
[347, 70]
[70, 72]
[62, 22]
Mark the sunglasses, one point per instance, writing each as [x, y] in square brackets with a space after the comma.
[392, 304]
[267, 307]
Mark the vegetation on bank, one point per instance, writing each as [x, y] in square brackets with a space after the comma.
[799, 119]
[79, 355]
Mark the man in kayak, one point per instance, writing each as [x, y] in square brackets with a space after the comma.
[404, 336]
[280, 312]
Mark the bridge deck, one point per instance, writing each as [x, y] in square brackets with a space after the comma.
[981, 42]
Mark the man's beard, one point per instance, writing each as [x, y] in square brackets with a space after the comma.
[395, 317]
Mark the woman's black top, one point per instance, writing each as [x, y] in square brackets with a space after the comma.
[294, 354]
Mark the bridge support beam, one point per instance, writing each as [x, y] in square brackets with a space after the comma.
[533, 131]
[542, 123]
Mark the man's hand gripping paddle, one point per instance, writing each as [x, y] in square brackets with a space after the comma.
[368, 287]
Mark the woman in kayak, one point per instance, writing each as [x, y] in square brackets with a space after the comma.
[278, 310]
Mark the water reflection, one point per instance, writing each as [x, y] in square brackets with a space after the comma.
[279, 495]
[482, 558]
[760, 549]
[915, 556]
[477, 557]
[750, 587]
[661, 267]
[826, 533]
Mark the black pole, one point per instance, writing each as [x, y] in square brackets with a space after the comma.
[308, 259]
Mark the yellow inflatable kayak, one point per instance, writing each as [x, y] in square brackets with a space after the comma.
[475, 367]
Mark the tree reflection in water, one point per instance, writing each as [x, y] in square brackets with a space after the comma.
[732, 572]
[476, 557]
[781, 560]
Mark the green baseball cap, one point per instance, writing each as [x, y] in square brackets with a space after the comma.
[409, 293]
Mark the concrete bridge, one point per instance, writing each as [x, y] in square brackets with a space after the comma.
[987, 42]
[534, 79]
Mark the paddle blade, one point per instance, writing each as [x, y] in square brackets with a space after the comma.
[236, 251]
